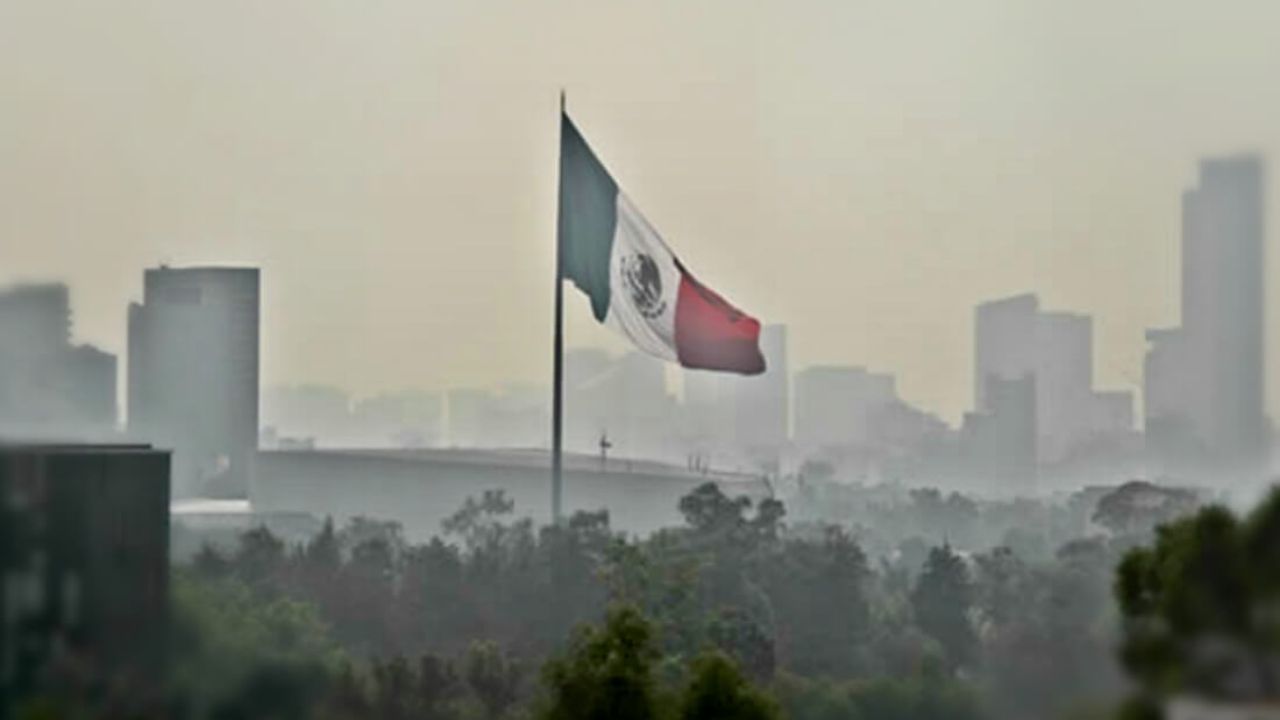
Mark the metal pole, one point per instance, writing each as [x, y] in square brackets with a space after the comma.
[557, 378]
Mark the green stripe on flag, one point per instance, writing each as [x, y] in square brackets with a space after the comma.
[588, 216]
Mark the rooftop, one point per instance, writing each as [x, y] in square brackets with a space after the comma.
[523, 458]
[68, 448]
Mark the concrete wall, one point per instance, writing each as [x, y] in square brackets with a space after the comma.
[420, 490]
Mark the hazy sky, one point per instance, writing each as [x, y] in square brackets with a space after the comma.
[865, 172]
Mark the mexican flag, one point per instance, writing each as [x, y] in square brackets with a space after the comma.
[635, 283]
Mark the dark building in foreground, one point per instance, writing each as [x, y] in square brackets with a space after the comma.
[193, 374]
[84, 533]
[420, 488]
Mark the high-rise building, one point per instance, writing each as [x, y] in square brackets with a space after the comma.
[84, 569]
[1065, 401]
[1013, 340]
[999, 442]
[1004, 344]
[1168, 399]
[1205, 382]
[1113, 412]
[50, 388]
[193, 374]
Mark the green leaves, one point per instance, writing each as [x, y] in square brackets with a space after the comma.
[1200, 605]
[942, 600]
[607, 673]
[718, 691]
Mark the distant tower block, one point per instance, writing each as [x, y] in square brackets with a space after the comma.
[193, 374]
[1205, 380]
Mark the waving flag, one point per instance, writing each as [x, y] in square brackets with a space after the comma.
[635, 283]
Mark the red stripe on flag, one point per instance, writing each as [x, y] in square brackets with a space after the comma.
[711, 334]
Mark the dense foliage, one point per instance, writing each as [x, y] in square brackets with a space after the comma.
[1201, 607]
[735, 613]
[735, 606]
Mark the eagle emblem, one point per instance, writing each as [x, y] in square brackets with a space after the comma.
[643, 282]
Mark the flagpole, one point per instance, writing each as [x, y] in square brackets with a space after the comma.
[557, 377]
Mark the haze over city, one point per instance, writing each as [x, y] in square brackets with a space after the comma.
[567, 360]
[864, 174]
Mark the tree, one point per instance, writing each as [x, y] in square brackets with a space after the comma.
[1002, 584]
[477, 521]
[708, 511]
[1045, 639]
[1199, 606]
[392, 690]
[607, 673]
[942, 600]
[718, 691]
[922, 695]
[819, 598]
[437, 684]
[742, 639]
[493, 677]
[1137, 507]
[322, 557]
[363, 598]
[233, 648]
[259, 559]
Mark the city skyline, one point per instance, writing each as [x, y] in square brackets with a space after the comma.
[863, 177]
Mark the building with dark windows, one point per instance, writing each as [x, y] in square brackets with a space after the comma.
[193, 374]
[1205, 381]
[50, 388]
[84, 532]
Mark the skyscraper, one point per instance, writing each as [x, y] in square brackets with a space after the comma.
[1004, 337]
[1013, 340]
[1205, 379]
[999, 443]
[1223, 298]
[193, 374]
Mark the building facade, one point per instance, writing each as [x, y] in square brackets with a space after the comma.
[1015, 340]
[836, 405]
[998, 445]
[420, 489]
[51, 389]
[193, 374]
[84, 564]
[1205, 383]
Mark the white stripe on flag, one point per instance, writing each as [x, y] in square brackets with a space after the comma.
[644, 283]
